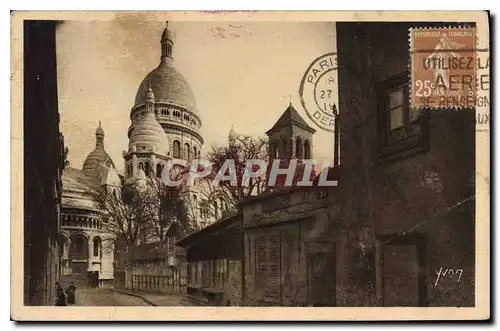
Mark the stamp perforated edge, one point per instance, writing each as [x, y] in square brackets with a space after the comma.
[410, 55]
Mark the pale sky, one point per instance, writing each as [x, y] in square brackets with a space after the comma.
[240, 73]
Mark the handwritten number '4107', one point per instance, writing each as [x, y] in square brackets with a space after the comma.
[449, 273]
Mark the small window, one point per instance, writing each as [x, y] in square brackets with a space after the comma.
[298, 148]
[177, 149]
[97, 246]
[187, 152]
[307, 149]
[400, 129]
[397, 108]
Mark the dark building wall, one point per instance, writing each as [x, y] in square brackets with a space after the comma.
[43, 160]
[424, 189]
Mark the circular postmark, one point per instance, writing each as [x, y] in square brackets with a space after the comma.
[318, 91]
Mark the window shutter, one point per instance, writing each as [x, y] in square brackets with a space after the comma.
[268, 266]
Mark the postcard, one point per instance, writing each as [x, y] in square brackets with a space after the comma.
[250, 165]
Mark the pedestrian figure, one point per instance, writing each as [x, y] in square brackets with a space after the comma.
[70, 291]
[60, 296]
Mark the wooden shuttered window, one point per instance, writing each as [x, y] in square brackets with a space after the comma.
[268, 266]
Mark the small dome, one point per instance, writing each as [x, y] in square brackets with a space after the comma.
[148, 135]
[168, 86]
[96, 157]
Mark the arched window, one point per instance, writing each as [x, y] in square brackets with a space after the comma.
[167, 112]
[158, 170]
[79, 249]
[177, 149]
[146, 168]
[307, 150]
[97, 246]
[284, 148]
[141, 165]
[195, 152]
[177, 113]
[187, 152]
[298, 148]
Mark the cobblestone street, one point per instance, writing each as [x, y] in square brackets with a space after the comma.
[106, 297]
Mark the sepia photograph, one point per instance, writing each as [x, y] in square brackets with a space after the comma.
[251, 159]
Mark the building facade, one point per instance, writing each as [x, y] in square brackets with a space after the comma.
[87, 247]
[408, 178]
[403, 211]
[289, 253]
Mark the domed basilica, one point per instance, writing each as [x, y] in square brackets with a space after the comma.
[165, 120]
[165, 124]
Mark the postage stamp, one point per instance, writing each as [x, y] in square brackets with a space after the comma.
[443, 67]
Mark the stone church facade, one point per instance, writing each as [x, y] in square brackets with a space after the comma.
[87, 250]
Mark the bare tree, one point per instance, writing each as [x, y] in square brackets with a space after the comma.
[125, 215]
[225, 196]
[124, 218]
[166, 206]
